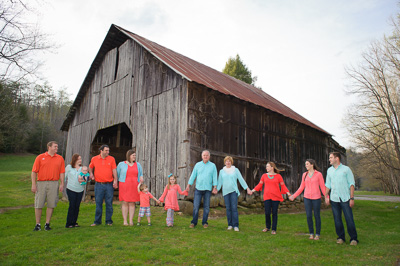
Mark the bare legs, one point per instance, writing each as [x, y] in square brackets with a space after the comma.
[38, 214]
[128, 208]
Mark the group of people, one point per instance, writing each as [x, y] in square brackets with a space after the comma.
[49, 168]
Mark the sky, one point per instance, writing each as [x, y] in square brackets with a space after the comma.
[298, 49]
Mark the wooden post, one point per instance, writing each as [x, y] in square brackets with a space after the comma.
[118, 136]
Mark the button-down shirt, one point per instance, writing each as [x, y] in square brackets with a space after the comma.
[205, 175]
[339, 180]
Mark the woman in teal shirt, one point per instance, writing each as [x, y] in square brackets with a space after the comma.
[228, 177]
[74, 190]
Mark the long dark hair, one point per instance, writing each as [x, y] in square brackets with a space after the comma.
[313, 163]
[74, 158]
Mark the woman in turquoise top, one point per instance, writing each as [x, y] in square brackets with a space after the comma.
[228, 177]
[74, 190]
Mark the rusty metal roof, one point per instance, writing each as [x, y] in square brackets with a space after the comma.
[196, 72]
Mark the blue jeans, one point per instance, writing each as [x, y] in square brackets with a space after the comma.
[198, 195]
[315, 204]
[103, 192]
[74, 199]
[337, 208]
[268, 206]
[231, 201]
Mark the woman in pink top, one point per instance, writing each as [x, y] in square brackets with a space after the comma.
[313, 182]
[272, 195]
[171, 198]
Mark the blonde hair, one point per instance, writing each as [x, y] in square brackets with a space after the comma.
[273, 165]
[142, 187]
[169, 180]
[50, 143]
[228, 158]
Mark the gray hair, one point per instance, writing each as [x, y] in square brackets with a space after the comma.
[205, 151]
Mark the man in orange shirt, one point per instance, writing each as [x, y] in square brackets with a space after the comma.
[49, 167]
[105, 175]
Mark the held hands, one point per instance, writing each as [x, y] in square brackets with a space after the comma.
[91, 176]
[249, 191]
[291, 198]
[214, 191]
[115, 184]
[61, 188]
[187, 188]
[327, 201]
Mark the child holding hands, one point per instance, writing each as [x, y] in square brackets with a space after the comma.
[171, 198]
[145, 197]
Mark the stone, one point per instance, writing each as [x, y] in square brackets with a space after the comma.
[185, 207]
[250, 199]
[214, 201]
[244, 203]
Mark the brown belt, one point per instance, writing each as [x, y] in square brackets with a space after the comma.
[103, 182]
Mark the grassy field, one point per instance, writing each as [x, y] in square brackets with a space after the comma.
[377, 225]
[375, 193]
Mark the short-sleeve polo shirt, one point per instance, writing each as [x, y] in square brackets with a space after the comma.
[103, 168]
[48, 167]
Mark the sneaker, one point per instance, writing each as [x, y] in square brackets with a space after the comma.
[353, 243]
[138, 224]
[149, 224]
[191, 226]
[205, 225]
[229, 228]
[339, 241]
[236, 229]
[47, 227]
[37, 227]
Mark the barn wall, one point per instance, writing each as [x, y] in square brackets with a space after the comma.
[252, 136]
[159, 121]
[106, 102]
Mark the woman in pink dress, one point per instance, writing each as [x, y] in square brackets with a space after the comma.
[171, 198]
[130, 174]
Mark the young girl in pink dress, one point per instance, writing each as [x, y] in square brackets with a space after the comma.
[171, 198]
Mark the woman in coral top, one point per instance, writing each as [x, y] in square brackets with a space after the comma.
[171, 198]
[130, 174]
[272, 195]
[313, 182]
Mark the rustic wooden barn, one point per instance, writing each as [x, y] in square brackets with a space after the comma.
[140, 94]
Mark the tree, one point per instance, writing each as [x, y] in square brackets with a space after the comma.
[237, 69]
[374, 120]
[20, 41]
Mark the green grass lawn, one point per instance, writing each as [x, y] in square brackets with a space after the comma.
[377, 225]
[377, 193]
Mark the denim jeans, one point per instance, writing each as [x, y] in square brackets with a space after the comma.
[198, 195]
[103, 192]
[315, 204]
[74, 199]
[268, 206]
[337, 208]
[231, 201]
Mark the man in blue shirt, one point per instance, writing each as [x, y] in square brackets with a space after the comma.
[205, 174]
[340, 181]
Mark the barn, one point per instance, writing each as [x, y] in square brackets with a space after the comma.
[140, 94]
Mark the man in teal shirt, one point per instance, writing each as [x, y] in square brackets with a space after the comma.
[205, 174]
[340, 181]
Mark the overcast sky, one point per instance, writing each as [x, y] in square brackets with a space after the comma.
[297, 49]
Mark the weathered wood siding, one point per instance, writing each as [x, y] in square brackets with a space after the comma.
[159, 121]
[106, 102]
[150, 99]
[252, 136]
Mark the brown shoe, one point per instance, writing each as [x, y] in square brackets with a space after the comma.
[191, 226]
[353, 243]
[339, 241]
[205, 225]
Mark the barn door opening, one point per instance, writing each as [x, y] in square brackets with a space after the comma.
[117, 137]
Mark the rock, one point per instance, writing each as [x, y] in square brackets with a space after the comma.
[214, 201]
[242, 196]
[250, 199]
[186, 207]
[244, 203]
[222, 201]
[259, 205]
[252, 205]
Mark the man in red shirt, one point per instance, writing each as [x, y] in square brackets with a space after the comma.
[49, 167]
[105, 175]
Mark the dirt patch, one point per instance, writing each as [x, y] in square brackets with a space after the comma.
[3, 210]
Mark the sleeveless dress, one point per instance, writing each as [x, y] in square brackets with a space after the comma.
[128, 190]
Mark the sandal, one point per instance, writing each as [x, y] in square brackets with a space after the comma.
[316, 237]
[273, 232]
[311, 236]
[265, 230]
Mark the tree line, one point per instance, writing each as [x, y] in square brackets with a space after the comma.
[373, 121]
